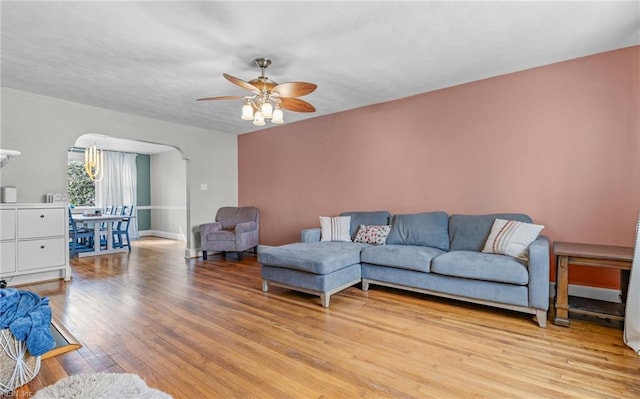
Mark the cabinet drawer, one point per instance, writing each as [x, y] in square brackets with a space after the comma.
[7, 258]
[33, 223]
[36, 254]
[7, 224]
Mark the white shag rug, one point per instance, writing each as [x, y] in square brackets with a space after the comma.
[100, 386]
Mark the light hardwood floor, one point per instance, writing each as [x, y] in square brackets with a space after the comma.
[199, 329]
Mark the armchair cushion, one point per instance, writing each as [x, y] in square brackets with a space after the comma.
[221, 235]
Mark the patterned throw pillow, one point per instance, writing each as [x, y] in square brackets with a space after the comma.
[376, 235]
[335, 228]
[509, 237]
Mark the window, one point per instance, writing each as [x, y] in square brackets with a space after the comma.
[81, 189]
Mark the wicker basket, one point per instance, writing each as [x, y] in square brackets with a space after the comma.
[17, 366]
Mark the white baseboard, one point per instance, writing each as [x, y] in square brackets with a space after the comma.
[583, 291]
[192, 253]
[34, 278]
[163, 234]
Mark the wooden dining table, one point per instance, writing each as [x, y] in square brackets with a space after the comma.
[97, 221]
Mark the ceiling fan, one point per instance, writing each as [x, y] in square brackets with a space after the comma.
[268, 98]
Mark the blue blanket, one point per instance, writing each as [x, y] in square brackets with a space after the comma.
[28, 317]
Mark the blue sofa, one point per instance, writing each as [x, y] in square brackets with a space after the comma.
[431, 253]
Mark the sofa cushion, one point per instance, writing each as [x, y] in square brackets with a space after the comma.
[470, 232]
[376, 235]
[366, 218]
[481, 266]
[509, 237]
[335, 228]
[409, 257]
[312, 257]
[429, 229]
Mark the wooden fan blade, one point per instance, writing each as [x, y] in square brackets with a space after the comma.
[220, 98]
[296, 105]
[240, 82]
[293, 89]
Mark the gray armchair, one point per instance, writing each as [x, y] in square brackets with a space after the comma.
[236, 229]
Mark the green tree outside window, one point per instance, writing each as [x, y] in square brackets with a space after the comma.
[82, 190]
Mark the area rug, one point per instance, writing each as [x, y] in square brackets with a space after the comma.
[100, 386]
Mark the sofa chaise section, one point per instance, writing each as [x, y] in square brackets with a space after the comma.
[320, 268]
[317, 267]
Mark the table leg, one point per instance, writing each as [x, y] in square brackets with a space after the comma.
[109, 236]
[96, 237]
[562, 292]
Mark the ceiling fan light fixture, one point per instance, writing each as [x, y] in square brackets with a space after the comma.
[278, 115]
[269, 99]
[258, 119]
[247, 111]
[267, 110]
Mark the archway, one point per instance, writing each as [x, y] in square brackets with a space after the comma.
[161, 207]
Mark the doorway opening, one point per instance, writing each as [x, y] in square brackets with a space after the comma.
[155, 183]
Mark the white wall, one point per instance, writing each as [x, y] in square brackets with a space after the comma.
[43, 127]
[168, 195]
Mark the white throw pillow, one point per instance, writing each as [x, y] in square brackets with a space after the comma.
[335, 228]
[509, 237]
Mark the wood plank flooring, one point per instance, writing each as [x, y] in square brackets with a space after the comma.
[204, 329]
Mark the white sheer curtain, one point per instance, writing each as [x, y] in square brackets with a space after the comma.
[119, 185]
[632, 316]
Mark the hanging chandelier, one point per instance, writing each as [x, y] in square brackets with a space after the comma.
[94, 162]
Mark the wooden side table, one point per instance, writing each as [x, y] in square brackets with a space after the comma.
[589, 255]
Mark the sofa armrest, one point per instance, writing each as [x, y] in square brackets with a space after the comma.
[207, 228]
[245, 227]
[539, 273]
[310, 235]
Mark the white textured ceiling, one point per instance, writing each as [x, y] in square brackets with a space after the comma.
[155, 58]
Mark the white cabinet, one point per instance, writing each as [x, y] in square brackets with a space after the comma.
[7, 257]
[34, 243]
[34, 223]
[7, 224]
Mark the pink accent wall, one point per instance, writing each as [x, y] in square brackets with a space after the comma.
[560, 143]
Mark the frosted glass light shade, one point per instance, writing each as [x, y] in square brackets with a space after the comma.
[267, 110]
[258, 119]
[247, 112]
[278, 116]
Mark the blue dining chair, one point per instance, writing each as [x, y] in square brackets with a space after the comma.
[121, 229]
[80, 239]
[109, 210]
